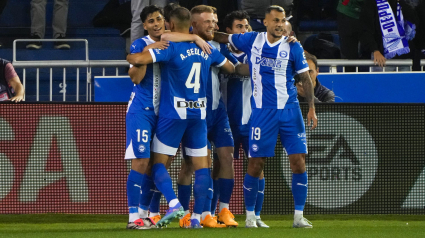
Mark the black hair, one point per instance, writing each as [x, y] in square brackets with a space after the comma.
[168, 9]
[235, 15]
[182, 15]
[276, 8]
[311, 57]
[149, 10]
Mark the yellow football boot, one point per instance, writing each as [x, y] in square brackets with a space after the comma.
[185, 221]
[210, 222]
[226, 217]
[156, 218]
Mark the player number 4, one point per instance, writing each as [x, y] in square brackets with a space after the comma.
[195, 71]
[256, 133]
[144, 135]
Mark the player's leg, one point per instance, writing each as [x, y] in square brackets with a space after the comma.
[154, 206]
[138, 150]
[260, 200]
[262, 141]
[292, 136]
[166, 141]
[184, 187]
[206, 211]
[216, 194]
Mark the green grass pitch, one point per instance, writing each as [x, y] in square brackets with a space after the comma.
[328, 226]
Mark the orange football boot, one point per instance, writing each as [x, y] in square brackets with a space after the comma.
[226, 217]
[156, 218]
[210, 222]
[185, 221]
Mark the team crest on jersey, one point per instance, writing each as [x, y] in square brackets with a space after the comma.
[283, 54]
[255, 147]
[142, 148]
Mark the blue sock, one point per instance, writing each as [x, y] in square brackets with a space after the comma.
[299, 190]
[184, 192]
[216, 195]
[226, 189]
[163, 181]
[250, 190]
[207, 205]
[147, 193]
[200, 189]
[260, 196]
[134, 182]
[155, 202]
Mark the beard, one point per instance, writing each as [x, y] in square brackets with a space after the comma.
[205, 36]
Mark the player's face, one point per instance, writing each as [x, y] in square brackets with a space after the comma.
[313, 72]
[238, 27]
[275, 23]
[216, 22]
[154, 24]
[205, 26]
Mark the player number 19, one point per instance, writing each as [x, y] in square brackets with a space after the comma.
[256, 133]
[195, 71]
[144, 135]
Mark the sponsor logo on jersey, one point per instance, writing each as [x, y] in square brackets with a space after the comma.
[191, 104]
[275, 64]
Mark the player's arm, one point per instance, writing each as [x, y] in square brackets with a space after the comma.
[228, 67]
[183, 37]
[137, 73]
[221, 37]
[308, 88]
[140, 59]
[242, 69]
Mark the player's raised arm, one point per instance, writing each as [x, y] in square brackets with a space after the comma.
[182, 37]
[221, 37]
[228, 67]
[140, 59]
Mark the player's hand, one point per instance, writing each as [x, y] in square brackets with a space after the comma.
[300, 90]
[311, 116]
[379, 59]
[292, 39]
[205, 47]
[162, 45]
[17, 99]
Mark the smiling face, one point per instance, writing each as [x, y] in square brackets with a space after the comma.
[275, 24]
[238, 27]
[204, 25]
[154, 24]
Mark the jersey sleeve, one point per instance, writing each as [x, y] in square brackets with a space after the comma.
[162, 55]
[137, 46]
[243, 42]
[217, 59]
[298, 56]
[224, 50]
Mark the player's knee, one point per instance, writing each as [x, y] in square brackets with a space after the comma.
[297, 163]
[139, 165]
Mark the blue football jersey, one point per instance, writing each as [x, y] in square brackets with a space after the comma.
[213, 88]
[237, 92]
[184, 74]
[146, 94]
[272, 68]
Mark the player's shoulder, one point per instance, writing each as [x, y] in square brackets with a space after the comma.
[295, 45]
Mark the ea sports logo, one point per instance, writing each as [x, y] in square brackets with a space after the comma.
[142, 148]
[341, 164]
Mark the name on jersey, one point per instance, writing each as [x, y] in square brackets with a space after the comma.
[275, 64]
[191, 104]
[194, 51]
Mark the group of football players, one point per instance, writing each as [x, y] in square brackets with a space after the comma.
[195, 86]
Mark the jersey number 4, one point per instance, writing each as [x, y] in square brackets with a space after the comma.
[194, 72]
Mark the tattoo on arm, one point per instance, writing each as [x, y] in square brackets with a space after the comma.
[221, 37]
[308, 88]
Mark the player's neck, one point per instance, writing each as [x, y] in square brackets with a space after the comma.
[273, 39]
[185, 31]
[155, 38]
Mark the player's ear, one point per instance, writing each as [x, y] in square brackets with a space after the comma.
[144, 26]
[228, 30]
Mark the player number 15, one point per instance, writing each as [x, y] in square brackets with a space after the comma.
[255, 133]
[144, 135]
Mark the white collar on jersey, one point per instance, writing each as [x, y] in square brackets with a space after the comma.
[284, 38]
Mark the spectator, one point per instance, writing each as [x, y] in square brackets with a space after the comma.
[257, 8]
[137, 30]
[321, 93]
[10, 85]
[38, 23]
[349, 29]
[371, 38]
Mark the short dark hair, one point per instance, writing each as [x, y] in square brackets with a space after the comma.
[214, 9]
[276, 8]
[201, 9]
[149, 10]
[311, 57]
[168, 9]
[235, 15]
[182, 15]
